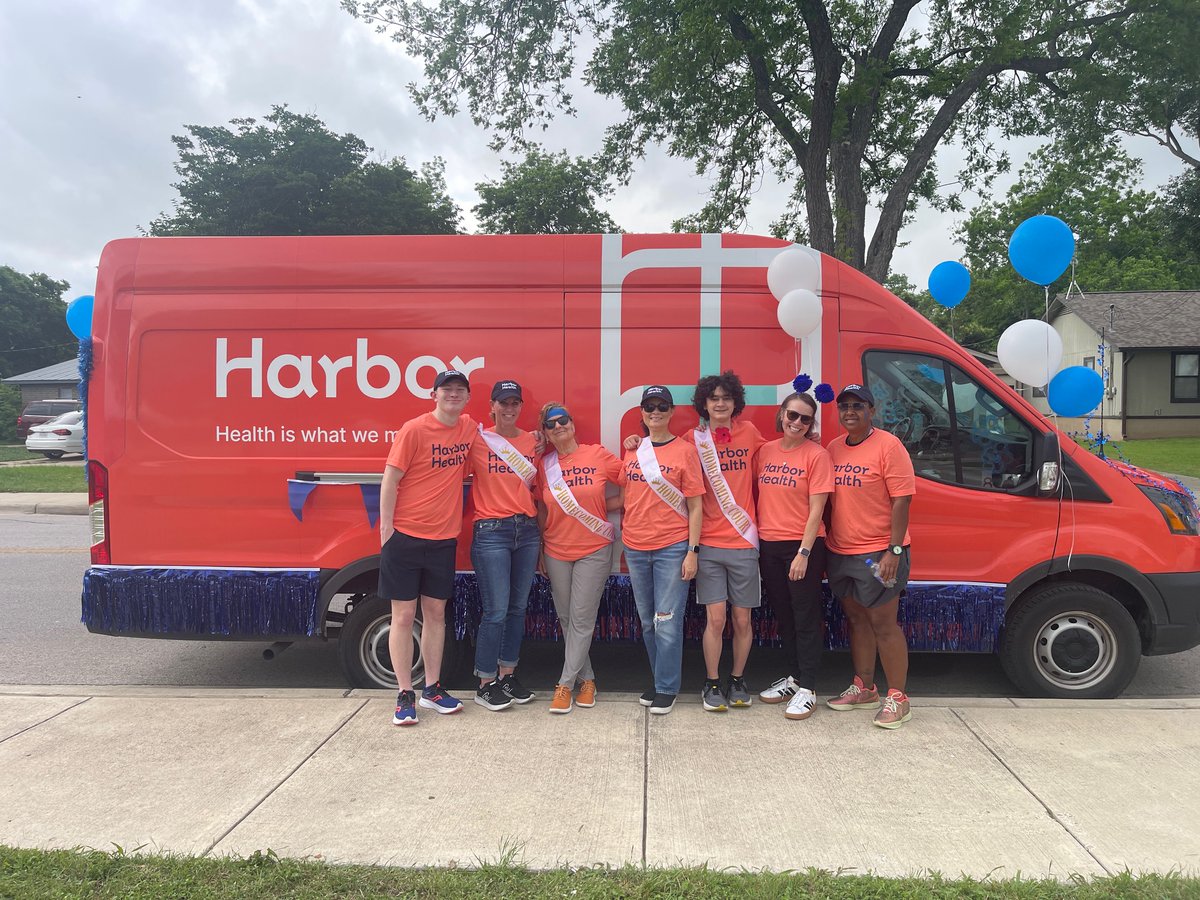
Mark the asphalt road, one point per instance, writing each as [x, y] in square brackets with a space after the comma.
[42, 560]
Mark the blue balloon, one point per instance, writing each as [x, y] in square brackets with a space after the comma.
[1041, 249]
[79, 316]
[1075, 391]
[949, 282]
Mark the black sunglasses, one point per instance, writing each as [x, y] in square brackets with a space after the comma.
[551, 424]
[792, 416]
[656, 407]
[852, 404]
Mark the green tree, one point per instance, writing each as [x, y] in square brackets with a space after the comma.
[848, 102]
[1123, 234]
[292, 175]
[10, 408]
[34, 330]
[545, 193]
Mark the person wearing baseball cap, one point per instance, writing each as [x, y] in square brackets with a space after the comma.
[420, 514]
[505, 543]
[868, 561]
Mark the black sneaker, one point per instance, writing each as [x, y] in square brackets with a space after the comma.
[713, 697]
[514, 689]
[738, 693]
[491, 696]
[662, 704]
[647, 698]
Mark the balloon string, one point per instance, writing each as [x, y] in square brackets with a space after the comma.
[952, 337]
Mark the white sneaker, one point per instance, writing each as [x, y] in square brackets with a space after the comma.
[801, 705]
[780, 690]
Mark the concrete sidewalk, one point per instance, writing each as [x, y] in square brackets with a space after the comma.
[57, 504]
[977, 787]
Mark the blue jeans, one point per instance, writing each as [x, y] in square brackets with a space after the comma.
[504, 553]
[661, 596]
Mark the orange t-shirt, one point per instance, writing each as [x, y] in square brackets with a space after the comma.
[497, 490]
[586, 472]
[650, 524]
[737, 465]
[786, 478]
[865, 479]
[433, 457]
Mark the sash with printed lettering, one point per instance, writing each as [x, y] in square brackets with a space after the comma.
[562, 494]
[710, 461]
[513, 458]
[658, 483]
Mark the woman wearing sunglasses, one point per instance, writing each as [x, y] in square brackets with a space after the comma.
[578, 541]
[873, 487]
[661, 488]
[504, 546]
[795, 479]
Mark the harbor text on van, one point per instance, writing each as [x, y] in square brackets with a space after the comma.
[289, 375]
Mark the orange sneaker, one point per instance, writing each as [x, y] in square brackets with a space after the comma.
[857, 696]
[895, 710]
[561, 703]
[587, 694]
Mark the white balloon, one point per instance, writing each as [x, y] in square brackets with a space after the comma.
[793, 268]
[799, 312]
[1030, 351]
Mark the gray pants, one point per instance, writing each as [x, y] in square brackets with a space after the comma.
[577, 587]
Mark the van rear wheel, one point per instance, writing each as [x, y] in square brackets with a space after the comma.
[1070, 641]
[363, 645]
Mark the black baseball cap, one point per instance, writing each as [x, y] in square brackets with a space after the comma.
[503, 390]
[657, 392]
[857, 390]
[451, 375]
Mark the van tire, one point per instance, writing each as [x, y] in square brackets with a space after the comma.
[1071, 641]
[363, 645]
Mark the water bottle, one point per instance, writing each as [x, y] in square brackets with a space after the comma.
[874, 567]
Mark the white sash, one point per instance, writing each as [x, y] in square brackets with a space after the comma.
[562, 493]
[710, 461]
[512, 457]
[666, 491]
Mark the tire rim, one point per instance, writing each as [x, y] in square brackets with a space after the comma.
[375, 657]
[1075, 651]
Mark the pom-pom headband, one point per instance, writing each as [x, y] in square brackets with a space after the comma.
[801, 383]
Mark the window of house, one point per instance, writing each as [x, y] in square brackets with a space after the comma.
[954, 429]
[1089, 362]
[1185, 377]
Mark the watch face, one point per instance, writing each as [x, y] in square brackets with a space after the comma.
[898, 550]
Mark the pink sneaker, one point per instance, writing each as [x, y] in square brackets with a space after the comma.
[895, 710]
[857, 696]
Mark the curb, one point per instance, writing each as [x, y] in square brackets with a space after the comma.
[70, 504]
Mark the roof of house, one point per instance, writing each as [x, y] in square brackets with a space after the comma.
[66, 372]
[1140, 318]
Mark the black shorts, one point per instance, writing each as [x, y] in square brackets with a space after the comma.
[411, 567]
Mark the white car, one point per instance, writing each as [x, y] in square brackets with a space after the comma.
[58, 436]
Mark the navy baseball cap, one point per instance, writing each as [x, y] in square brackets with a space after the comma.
[503, 390]
[657, 392]
[857, 390]
[451, 375]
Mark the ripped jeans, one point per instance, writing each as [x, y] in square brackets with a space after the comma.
[661, 596]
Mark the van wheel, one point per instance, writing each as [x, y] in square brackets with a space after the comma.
[363, 645]
[1070, 641]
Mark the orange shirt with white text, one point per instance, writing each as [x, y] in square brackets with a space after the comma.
[497, 491]
[737, 465]
[433, 457]
[786, 479]
[587, 471]
[649, 523]
[866, 477]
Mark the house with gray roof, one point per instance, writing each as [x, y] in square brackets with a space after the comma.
[57, 382]
[1146, 345]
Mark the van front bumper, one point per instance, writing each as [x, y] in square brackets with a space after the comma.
[1180, 592]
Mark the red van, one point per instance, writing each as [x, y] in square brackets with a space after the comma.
[243, 393]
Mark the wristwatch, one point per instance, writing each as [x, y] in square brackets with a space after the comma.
[897, 549]
[804, 551]
[694, 549]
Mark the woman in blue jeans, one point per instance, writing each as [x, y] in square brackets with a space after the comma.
[662, 487]
[505, 544]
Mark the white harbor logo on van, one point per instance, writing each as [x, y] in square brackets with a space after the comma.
[289, 375]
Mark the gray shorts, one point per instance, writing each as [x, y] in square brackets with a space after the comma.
[850, 576]
[728, 574]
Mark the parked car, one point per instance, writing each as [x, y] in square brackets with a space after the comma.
[39, 412]
[58, 436]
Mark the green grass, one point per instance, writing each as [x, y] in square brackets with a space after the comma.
[1176, 456]
[41, 480]
[37, 874]
[15, 451]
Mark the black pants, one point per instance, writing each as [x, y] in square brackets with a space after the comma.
[797, 605]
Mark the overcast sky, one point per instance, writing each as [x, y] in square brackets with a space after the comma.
[91, 92]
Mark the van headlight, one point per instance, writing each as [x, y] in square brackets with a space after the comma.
[1179, 510]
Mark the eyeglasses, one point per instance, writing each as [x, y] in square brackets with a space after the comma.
[656, 407]
[852, 404]
[557, 421]
[792, 416]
